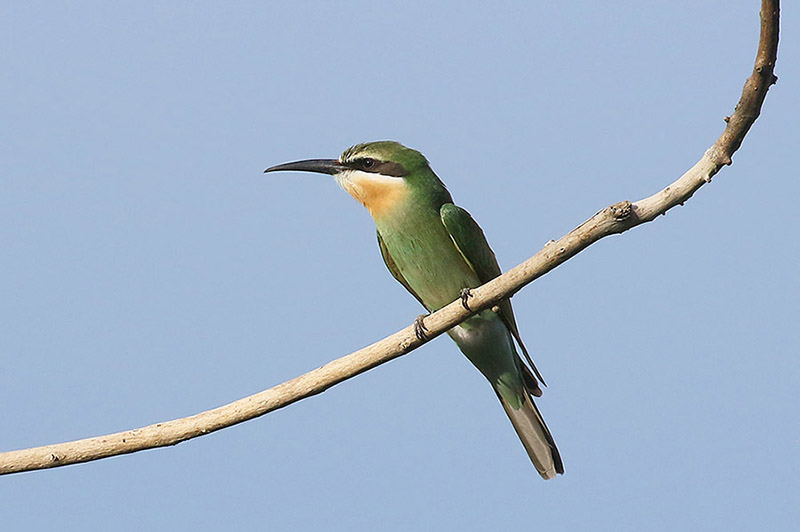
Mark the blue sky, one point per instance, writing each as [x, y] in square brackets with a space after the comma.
[150, 270]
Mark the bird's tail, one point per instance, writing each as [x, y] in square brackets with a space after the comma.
[535, 436]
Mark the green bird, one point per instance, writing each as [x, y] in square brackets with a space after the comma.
[438, 252]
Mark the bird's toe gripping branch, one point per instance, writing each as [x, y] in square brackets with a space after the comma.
[466, 293]
[420, 330]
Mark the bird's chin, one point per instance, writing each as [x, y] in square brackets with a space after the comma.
[343, 179]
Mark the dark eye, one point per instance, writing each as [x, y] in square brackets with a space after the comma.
[368, 163]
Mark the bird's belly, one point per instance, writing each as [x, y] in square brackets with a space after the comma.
[486, 342]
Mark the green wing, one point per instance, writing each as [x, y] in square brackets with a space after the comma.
[394, 270]
[471, 243]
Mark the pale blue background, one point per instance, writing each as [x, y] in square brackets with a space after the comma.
[150, 270]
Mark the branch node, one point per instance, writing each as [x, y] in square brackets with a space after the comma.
[622, 210]
[719, 157]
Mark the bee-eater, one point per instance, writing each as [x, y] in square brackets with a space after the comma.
[438, 252]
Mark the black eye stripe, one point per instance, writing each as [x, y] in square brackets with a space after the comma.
[373, 166]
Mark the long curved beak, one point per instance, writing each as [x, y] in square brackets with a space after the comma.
[319, 166]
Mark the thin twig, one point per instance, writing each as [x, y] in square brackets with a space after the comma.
[611, 220]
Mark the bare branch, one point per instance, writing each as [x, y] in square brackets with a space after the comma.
[611, 220]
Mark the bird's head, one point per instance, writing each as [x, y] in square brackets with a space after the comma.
[381, 175]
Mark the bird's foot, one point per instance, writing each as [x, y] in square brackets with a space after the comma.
[466, 293]
[419, 327]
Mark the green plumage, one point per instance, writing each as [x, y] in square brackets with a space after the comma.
[435, 249]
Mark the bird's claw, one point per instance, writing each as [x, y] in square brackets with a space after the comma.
[466, 293]
[419, 327]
